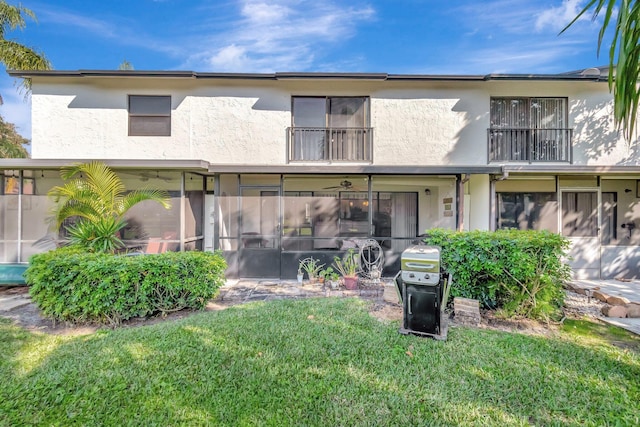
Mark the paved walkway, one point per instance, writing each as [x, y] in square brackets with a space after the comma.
[629, 290]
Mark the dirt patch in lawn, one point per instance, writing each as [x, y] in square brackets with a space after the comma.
[29, 317]
[576, 307]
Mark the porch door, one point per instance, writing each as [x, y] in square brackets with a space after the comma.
[259, 247]
[581, 225]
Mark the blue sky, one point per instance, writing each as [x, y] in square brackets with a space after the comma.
[392, 36]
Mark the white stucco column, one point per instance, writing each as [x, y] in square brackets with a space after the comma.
[479, 202]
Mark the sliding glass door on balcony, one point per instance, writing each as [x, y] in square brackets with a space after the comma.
[330, 129]
[529, 130]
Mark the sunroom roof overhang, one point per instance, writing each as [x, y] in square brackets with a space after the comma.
[354, 169]
[571, 170]
[142, 164]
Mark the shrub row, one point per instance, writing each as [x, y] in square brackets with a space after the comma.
[70, 285]
[520, 272]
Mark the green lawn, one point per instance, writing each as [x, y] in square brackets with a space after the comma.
[322, 362]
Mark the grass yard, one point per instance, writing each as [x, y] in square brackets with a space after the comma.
[322, 362]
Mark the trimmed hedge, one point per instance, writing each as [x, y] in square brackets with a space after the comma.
[520, 272]
[67, 284]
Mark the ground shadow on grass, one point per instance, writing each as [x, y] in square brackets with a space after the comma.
[313, 362]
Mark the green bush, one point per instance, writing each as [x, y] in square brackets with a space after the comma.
[520, 272]
[72, 285]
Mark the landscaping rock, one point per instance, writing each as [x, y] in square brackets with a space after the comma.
[615, 300]
[571, 287]
[633, 310]
[579, 290]
[466, 311]
[600, 296]
[614, 311]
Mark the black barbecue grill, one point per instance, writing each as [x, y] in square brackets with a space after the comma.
[421, 285]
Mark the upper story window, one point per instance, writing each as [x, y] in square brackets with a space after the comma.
[529, 113]
[330, 129]
[149, 115]
[529, 129]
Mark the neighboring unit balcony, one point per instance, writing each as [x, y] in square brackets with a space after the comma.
[530, 145]
[307, 144]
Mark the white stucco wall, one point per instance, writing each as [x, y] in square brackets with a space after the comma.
[479, 200]
[245, 121]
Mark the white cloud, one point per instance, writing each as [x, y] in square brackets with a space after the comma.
[557, 18]
[92, 25]
[119, 31]
[516, 57]
[278, 35]
[512, 36]
[232, 57]
[510, 16]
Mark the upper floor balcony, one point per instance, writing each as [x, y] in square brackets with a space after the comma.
[330, 144]
[530, 145]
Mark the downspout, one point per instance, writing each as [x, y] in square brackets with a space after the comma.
[216, 212]
[492, 201]
[370, 199]
[460, 181]
[20, 191]
[182, 210]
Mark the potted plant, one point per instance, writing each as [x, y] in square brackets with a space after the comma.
[326, 274]
[348, 267]
[311, 266]
[332, 278]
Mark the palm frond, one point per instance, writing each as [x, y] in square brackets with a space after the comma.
[11, 17]
[623, 71]
[105, 184]
[134, 197]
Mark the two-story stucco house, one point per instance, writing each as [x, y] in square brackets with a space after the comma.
[270, 168]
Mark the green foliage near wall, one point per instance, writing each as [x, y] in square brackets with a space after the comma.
[11, 142]
[97, 199]
[520, 272]
[67, 284]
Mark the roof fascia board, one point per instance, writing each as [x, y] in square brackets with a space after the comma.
[546, 77]
[304, 76]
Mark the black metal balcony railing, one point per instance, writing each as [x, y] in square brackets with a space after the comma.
[530, 145]
[307, 144]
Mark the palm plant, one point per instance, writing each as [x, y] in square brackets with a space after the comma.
[14, 55]
[96, 196]
[624, 56]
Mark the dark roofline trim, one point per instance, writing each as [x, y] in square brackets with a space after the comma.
[302, 75]
[560, 77]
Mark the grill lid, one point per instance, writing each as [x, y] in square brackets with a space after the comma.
[421, 258]
[421, 265]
